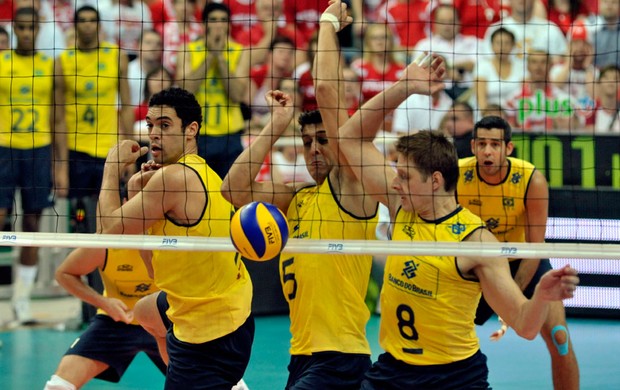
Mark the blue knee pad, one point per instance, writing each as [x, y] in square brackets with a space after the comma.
[562, 348]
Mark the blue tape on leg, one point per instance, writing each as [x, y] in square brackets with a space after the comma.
[562, 348]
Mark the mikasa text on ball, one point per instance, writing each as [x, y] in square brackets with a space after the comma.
[259, 231]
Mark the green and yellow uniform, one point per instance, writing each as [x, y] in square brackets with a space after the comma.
[501, 206]
[91, 98]
[326, 292]
[427, 307]
[220, 116]
[210, 293]
[26, 97]
[125, 278]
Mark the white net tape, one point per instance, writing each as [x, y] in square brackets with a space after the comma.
[145, 242]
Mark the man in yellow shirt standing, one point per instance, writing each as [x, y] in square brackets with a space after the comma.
[32, 145]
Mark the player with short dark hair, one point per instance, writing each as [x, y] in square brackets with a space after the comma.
[512, 198]
[113, 338]
[326, 293]
[177, 194]
[33, 145]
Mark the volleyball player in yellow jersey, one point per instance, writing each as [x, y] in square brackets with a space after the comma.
[512, 198]
[113, 338]
[428, 303]
[31, 145]
[90, 79]
[209, 293]
[211, 68]
[325, 293]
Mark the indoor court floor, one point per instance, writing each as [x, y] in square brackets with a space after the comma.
[28, 356]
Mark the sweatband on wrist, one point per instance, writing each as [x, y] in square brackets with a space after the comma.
[327, 17]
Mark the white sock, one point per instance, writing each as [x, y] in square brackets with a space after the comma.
[27, 273]
[57, 383]
[24, 280]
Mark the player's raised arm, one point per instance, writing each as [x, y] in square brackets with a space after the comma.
[327, 72]
[239, 186]
[358, 133]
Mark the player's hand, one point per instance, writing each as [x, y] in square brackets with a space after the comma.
[558, 284]
[117, 310]
[139, 179]
[126, 152]
[424, 76]
[339, 10]
[281, 106]
[150, 166]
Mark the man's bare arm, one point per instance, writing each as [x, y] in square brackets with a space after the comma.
[239, 186]
[59, 126]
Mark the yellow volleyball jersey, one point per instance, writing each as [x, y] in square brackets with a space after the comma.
[220, 115]
[91, 94]
[501, 206]
[427, 307]
[210, 293]
[326, 292]
[26, 90]
[125, 277]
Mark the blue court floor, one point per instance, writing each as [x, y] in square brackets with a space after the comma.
[29, 356]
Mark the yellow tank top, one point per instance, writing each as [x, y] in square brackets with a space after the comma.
[427, 307]
[125, 277]
[326, 292]
[220, 115]
[26, 90]
[210, 293]
[91, 95]
[501, 206]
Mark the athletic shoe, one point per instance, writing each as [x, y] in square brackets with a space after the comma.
[22, 311]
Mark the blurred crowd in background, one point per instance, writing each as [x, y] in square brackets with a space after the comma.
[545, 65]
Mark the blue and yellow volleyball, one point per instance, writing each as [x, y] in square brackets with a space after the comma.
[259, 231]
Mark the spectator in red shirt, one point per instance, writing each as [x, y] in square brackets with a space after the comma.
[477, 15]
[161, 12]
[303, 73]
[242, 17]
[409, 20]
[255, 23]
[266, 76]
[566, 12]
[182, 29]
[266, 24]
[6, 12]
[302, 16]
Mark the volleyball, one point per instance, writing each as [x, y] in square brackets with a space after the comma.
[259, 231]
